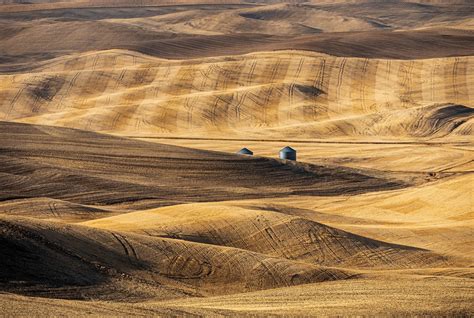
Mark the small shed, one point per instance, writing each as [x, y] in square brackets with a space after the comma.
[288, 153]
[245, 151]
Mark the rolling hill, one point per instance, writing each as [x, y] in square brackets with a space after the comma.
[270, 233]
[93, 169]
[121, 193]
[111, 265]
[282, 95]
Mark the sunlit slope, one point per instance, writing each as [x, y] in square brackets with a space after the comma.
[296, 19]
[270, 233]
[52, 209]
[281, 94]
[449, 155]
[379, 295]
[437, 216]
[276, 19]
[70, 261]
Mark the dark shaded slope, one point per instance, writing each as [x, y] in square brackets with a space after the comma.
[89, 168]
[107, 12]
[442, 120]
[420, 44]
[20, 45]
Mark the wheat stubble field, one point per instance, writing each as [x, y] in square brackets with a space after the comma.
[121, 193]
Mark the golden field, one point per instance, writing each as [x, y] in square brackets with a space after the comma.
[121, 193]
[266, 95]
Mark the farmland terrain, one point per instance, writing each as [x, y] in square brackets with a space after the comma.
[121, 193]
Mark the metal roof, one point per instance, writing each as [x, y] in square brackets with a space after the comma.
[245, 151]
[287, 149]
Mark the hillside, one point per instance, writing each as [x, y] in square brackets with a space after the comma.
[122, 193]
[112, 265]
[276, 95]
[92, 169]
[270, 233]
[280, 238]
[195, 29]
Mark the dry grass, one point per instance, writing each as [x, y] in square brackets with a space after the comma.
[160, 217]
[208, 249]
[381, 295]
[289, 95]
[187, 29]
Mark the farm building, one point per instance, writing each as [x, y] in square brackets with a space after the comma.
[245, 151]
[288, 153]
